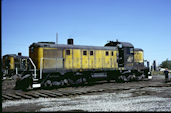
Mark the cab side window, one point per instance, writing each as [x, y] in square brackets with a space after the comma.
[107, 53]
[91, 53]
[84, 52]
[112, 53]
[67, 52]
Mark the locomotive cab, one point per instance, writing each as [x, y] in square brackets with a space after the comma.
[126, 54]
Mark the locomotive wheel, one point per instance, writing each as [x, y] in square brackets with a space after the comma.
[141, 77]
[84, 80]
[66, 82]
[121, 78]
[56, 83]
[79, 81]
[131, 77]
[48, 83]
[71, 82]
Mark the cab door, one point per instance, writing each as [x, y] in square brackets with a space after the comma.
[129, 58]
[121, 57]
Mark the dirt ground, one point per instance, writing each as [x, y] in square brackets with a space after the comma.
[151, 95]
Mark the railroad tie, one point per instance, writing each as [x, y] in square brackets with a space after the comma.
[40, 94]
[71, 93]
[80, 92]
[23, 95]
[57, 93]
[46, 93]
[7, 97]
[94, 90]
[13, 96]
[77, 92]
[100, 90]
[89, 91]
[84, 92]
[32, 94]
[53, 93]
[65, 93]
[62, 92]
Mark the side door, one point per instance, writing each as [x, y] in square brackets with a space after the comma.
[121, 57]
[129, 58]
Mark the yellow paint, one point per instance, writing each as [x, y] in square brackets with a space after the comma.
[106, 59]
[68, 59]
[113, 60]
[40, 55]
[36, 56]
[11, 62]
[98, 59]
[76, 59]
[84, 59]
[138, 56]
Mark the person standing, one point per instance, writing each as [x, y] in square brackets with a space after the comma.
[166, 72]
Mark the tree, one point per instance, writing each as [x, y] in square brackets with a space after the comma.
[166, 64]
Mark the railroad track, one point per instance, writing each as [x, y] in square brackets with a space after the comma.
[45, 94]
[61, 93]
[81, 90]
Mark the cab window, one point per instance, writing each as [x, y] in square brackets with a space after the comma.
[91, 53]
[112, 53]
[129, 50]
[107, 53]
[67, 52]
[84, 52]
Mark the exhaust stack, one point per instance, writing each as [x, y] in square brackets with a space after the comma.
[70, 41]
[19, 54]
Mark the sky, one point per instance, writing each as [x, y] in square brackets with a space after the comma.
[144, 23]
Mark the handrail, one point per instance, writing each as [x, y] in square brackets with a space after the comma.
[34, 67]
[41, 68]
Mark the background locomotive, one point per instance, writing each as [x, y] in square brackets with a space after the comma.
[14, 64]
[61, 65]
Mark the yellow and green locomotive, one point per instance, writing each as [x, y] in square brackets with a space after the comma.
[67, 64]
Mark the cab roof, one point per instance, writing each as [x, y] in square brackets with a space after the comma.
[68, 46]
[124, 44]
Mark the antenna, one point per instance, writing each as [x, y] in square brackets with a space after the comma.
[56, 38]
